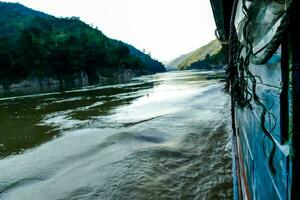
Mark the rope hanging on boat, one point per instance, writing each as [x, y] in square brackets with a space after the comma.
[274, 44]
[241, 83]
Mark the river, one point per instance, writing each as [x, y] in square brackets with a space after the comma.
[163, 136]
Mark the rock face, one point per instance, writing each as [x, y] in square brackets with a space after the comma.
[35, 83]
[78, 79]
[81, 79]
[124, 76]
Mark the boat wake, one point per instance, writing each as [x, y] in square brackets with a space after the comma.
[167, 141]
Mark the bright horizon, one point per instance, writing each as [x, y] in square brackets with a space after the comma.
[166, 28]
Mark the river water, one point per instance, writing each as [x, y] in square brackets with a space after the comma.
[164, 136]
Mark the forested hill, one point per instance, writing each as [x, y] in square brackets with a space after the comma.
[209, 56]
[34, 44]
[173, 64]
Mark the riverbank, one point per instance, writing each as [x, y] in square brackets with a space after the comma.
[80, 79]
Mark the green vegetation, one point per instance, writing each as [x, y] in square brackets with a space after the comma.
[173, 64]
[34, 44]
[207, 56]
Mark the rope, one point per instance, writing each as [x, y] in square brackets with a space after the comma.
[274, 44]
[239, 76]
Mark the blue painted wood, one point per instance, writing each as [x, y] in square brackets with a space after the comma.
[255, 146]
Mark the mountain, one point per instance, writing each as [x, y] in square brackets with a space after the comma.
[15, 17]
[210, 55]
[153, 65]
[173, 64]
[35, 44]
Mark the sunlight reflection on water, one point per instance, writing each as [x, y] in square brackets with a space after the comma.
[163, 136]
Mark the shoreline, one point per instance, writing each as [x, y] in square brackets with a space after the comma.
[80, 79]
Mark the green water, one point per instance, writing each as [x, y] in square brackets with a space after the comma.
[163, 136]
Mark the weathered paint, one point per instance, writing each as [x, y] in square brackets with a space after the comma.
[255, 146]
[279, 90]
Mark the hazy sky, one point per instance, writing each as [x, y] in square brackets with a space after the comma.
[166, 28]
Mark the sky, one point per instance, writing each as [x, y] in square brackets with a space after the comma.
[165, 28]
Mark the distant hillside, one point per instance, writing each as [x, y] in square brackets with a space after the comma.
[207, 56]
[173, 65]
[35, 44]
[153, 65]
